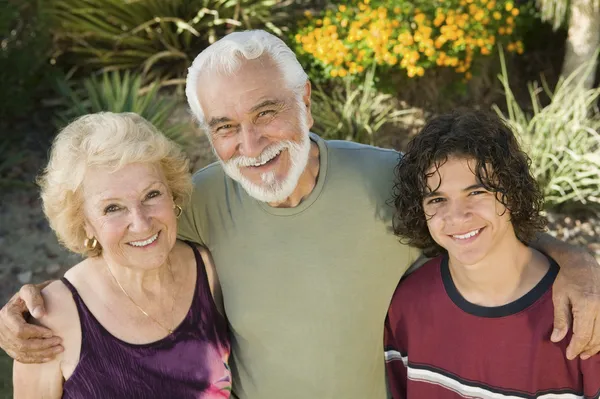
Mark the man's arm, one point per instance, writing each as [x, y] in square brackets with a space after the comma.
[576, 296]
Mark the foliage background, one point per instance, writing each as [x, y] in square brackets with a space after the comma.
[379, 68]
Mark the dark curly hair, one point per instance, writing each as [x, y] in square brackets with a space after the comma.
[501, 167]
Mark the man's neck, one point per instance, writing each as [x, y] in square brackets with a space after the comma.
[503, 276]
[306, 183]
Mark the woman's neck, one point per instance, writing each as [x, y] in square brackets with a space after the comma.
[143, 283]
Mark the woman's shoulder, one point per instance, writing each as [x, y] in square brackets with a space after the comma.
[60, 307]
[185, 251]
[211, 271]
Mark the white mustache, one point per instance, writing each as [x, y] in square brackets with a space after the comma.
[267, 154]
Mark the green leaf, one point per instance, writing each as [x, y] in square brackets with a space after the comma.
[118, 92]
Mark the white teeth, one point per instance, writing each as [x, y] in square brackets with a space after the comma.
[468, 235]
[266, 159]
[145, 242]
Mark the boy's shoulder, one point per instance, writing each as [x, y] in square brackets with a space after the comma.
[424, 284]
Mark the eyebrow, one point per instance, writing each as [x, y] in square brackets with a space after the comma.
[437, 193]
[154, 183]
[216, 121]
[266, 103]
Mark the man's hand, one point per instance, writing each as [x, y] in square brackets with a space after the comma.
[576, 297]
[27, 343]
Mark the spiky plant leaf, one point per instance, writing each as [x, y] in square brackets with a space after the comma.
[118, 92]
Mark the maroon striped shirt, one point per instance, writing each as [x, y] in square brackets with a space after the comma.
[440, 346]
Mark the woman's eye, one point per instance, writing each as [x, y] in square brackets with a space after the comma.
[153, 194]
[111, 208]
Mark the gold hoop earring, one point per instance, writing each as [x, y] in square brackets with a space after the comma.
[90, 243]
[178, 210]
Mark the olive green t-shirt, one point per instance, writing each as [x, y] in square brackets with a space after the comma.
[306, 289]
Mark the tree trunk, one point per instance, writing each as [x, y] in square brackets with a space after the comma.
[583, 39]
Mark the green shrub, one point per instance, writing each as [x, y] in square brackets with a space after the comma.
[352, 111]
[11, 156]
[157, 37]
[118, 92]
[409, 35]
[25, 70]
[561, 138]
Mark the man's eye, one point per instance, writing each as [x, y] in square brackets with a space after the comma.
[222, 128]
[477, 192]
[111, 209]
[264, 113]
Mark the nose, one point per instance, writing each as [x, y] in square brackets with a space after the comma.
[141, 221]
[250, 141]
[458, 212]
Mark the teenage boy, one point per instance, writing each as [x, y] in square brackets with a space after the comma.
[481, 327]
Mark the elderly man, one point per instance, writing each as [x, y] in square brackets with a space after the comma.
[300, 231]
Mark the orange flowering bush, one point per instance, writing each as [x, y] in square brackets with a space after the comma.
[410, 35]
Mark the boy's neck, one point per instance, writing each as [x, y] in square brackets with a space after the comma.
[510, 271]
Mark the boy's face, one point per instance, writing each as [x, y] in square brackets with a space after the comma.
[463, 217]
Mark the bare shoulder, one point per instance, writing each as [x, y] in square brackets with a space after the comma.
[213, 278]
[62, 316]
[60, 307]
[209, 265]
[186, 252]
[206, 256]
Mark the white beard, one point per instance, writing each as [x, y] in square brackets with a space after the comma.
[273, 190]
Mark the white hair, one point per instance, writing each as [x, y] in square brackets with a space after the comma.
[227, 55]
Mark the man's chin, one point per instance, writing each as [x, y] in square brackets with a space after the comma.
[265, 192]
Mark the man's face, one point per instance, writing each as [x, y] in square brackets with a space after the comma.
[462, 216]
[258, 128]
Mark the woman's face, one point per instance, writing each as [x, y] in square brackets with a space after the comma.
[131, 213]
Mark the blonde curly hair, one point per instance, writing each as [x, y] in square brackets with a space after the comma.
[110, 140]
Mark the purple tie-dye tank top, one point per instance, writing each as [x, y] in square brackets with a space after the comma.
[189, 363]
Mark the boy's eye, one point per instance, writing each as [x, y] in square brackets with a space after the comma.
[435, 200]
[111, 208]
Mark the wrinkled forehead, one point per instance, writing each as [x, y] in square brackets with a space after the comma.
[104, 181]
[221, 93]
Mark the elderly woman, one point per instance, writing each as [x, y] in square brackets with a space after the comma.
[140, 316]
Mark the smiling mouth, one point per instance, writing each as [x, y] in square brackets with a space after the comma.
[466, 236]
[145, 242]
[267, 162]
